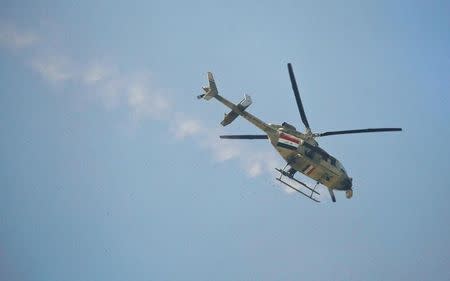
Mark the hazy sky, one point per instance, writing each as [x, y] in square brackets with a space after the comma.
[111, 169]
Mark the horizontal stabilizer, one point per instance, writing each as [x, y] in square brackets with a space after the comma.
[232, 115]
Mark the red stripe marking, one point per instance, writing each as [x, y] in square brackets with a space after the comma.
[289, 138]
[311, 171]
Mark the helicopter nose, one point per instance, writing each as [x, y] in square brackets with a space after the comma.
[347, 184]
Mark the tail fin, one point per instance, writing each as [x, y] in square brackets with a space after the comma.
[211, 90]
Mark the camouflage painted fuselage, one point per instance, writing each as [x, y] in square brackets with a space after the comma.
[297, 149]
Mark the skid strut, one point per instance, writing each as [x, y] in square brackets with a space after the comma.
[290, 175]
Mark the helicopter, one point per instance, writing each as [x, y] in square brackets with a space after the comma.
[300, 149]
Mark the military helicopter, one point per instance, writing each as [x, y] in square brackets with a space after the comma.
[300, 150]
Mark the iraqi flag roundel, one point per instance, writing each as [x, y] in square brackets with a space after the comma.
[288, 141]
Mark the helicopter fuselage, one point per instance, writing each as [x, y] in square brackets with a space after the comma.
[303, 154]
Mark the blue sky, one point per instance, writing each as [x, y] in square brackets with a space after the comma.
[112, 170]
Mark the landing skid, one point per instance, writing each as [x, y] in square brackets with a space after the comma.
[291, 176]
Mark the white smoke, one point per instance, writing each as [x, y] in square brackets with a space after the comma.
[137, 93]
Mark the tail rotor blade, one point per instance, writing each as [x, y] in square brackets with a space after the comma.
[376, 130]
[245, 137]
[297, 97]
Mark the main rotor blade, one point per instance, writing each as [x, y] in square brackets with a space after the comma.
[245, 137]
[297, 96]
[331, 133]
